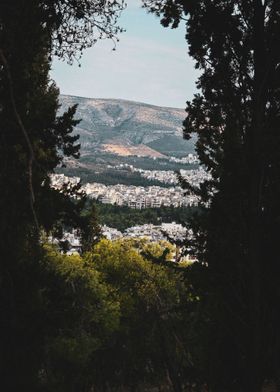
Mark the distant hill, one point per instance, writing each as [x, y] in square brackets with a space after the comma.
[128, 128]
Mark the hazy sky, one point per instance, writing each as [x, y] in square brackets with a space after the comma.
[150, 64]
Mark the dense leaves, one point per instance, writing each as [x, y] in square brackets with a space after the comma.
[236, 118]
[33, 141]
[122, 217]
[115, 320]
[153, 346]
[80, 316]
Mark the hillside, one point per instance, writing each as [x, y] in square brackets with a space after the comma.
[128, 128]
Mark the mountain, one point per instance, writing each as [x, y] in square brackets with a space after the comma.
[128, 128]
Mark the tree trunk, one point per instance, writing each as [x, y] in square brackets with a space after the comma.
[253, 378]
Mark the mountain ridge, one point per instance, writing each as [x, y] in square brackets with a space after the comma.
[121, 100]
[106, 124]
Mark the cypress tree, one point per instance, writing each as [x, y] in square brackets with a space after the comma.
[236, 118]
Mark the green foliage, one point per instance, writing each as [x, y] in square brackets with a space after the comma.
[80, 316]
[236, 118]
[108, 176]
[155, 304]
[34, 139]
[123, 217]
[93, 167]
[113, 319]
[90, 229]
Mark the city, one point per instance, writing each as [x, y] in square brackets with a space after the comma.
[139, 197]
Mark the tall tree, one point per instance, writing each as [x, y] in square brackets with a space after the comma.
[235, 44]
[34, 140]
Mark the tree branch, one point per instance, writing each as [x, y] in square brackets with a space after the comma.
[25, 134]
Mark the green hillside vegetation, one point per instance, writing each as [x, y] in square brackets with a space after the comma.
[123, 217]
[94, 168]
[109, 176]
[172, 146]
[147, 163]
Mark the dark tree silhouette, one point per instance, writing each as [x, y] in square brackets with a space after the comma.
[34, 139]
[236, 116]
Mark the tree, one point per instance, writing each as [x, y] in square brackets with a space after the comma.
[80, 317]
[34, 140]
[236, 117]
[150, 348]
[90, 229]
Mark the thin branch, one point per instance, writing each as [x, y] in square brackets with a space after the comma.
[25, 134]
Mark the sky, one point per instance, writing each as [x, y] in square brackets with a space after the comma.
[150, 64]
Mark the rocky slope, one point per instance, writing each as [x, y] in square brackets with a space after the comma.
[128, 128]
